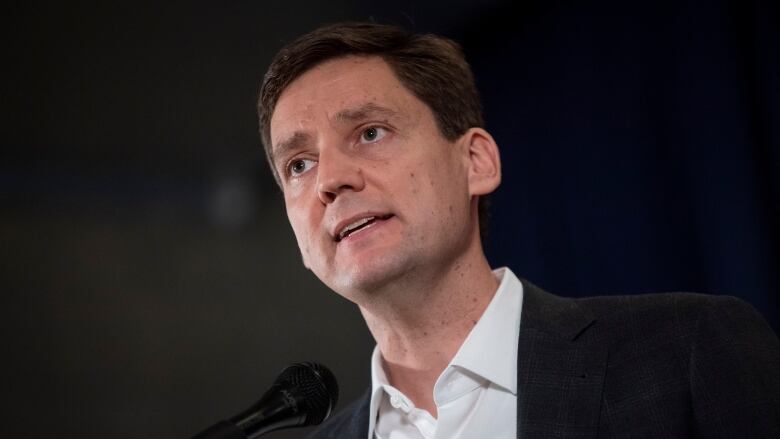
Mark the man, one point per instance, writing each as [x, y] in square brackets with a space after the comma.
[375, 137]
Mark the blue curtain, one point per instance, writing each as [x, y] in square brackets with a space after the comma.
[640, 145]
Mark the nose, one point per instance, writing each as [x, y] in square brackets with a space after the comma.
[337, 173]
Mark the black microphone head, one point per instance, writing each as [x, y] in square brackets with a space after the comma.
[303, 394]
[316, 390]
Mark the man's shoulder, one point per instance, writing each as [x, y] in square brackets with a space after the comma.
[676, 320]
[637, 314]
[669, 317]
[350, 422]
[681, 309]
[682, 304]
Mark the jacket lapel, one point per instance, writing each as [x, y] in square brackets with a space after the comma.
[560, 368]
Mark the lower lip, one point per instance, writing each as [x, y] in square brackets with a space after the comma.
[365, 231]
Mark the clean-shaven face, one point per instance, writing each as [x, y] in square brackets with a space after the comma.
[373, 190]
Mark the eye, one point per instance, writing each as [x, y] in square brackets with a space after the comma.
[373, 134]
[297, 167]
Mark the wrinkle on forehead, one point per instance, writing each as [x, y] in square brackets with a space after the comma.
[363, 111]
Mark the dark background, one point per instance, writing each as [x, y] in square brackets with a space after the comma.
[152, 286]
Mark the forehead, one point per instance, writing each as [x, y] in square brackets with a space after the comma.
[333, 87]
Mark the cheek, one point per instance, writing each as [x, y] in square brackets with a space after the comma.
[446, 194]
[306, 247]
[301, 229]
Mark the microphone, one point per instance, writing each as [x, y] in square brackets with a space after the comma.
[303, 394]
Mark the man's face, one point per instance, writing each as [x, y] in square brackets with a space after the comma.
[373, 190]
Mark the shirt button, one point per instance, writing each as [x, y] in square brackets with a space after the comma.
[395, 401]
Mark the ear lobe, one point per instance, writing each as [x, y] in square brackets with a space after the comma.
[484, 162]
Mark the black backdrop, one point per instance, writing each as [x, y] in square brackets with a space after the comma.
[152, 285]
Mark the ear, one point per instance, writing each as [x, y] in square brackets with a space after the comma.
[484, 161]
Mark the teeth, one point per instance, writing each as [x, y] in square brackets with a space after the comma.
[359, 223]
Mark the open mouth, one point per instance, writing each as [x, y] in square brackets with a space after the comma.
[361, 224]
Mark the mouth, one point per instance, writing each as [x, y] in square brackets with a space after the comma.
[359, 225]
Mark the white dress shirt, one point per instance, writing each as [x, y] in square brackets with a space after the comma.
[476, 394]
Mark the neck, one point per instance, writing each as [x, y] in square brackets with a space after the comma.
[420, 328]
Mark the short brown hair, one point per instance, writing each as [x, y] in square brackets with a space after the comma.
[433, 68]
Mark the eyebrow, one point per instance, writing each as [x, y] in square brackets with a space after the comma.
[298, 139]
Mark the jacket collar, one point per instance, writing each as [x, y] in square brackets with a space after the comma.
[560, 368]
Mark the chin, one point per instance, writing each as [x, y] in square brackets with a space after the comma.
[369, 276]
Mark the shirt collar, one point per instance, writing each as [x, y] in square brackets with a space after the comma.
[490, 349]
[378, 382]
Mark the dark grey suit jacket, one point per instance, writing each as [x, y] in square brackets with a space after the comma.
[648, 366]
